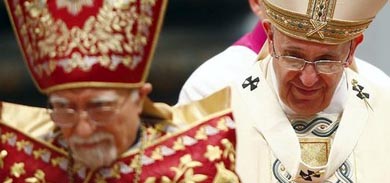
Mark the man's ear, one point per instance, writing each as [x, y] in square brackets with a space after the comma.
[354, 44]
[143, 92]
[357, 41]
[267, 25]
[258, 8]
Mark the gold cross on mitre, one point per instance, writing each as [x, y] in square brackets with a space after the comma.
[320, 11]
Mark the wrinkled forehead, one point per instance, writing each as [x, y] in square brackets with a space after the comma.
[285, 41]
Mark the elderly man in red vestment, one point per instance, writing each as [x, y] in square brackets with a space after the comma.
[91, 57]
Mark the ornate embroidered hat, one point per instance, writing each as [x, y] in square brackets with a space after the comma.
[324, 21]
[87, 43]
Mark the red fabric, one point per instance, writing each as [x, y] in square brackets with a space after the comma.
[253, 40]
[157, 169]
[31, 164]
[35, 34]
[74, 20]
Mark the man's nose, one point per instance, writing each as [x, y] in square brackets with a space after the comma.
[84, 127]
[309, 75]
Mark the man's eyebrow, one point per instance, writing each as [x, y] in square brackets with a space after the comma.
[298, 50]
[293, 50]
[57, 99]
[107, 97]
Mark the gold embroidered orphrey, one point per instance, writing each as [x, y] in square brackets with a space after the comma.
[315, 151]
[320, 11]
[317, 24]
[110, 34]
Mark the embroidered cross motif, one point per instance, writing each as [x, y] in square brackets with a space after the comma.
[362, 95]
[249, 82]
[320, 11]
[308, 176]
[318, 26]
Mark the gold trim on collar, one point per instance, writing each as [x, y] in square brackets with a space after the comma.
[156, 111]
[33, 122]
[198, 110]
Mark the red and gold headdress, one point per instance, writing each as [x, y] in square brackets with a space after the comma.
[87, 43]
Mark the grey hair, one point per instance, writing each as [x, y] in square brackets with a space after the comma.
[134, 95]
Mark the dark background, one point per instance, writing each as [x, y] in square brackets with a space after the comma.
[193, 31]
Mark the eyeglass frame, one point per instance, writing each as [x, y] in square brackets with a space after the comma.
[343, 63]
[115, 109]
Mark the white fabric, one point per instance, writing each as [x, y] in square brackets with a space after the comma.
[216, 73]
[365, 147]
[371, 73]
[264, 135]
[227, 66]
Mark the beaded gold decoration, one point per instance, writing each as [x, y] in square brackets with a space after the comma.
[317, 24]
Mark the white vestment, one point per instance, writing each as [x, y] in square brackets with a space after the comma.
[271, 149]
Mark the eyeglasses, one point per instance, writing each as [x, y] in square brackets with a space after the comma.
[322, 66]
[99, 115]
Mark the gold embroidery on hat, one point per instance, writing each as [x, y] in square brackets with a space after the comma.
[322, 28]
[117, 31]
[73, 6]
[320, 11]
